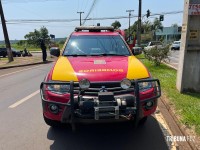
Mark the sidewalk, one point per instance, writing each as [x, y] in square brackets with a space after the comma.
[23, 61]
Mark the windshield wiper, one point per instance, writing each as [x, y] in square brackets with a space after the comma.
[76, 55]
[102, 54]
[105, 54]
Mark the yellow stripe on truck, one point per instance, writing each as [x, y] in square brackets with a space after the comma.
[63, 70]
[136, 70]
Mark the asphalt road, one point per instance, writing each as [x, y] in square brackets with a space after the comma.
[174, 58]
[22, 126]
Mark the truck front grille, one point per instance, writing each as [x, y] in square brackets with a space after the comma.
[114, 87]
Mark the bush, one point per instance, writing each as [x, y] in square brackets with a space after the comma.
[157, 54]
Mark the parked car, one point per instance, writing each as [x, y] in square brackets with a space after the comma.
[97, 79]
[3, 52]
[54, 48]
[16, 53]
[176, 45]
[152, 44]
[137, 50]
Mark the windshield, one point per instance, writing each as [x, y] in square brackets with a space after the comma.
[95, 45]
[176, 42]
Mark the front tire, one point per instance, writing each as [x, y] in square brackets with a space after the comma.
[52, 123]
[143, 121]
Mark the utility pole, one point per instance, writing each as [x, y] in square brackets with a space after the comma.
[188, 75]
[139, 23]
[7, 41]
[80, 12]
[129, 31]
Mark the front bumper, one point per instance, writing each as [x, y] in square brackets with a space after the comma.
[107, 111]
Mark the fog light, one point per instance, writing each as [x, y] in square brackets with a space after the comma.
[125, 83]
[54, 108]
[149, 105]
[84, 84]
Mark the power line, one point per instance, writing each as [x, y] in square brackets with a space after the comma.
[72, 20]
[23, 1]
[91, 8]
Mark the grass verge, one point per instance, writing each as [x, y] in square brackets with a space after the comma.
[187, 105]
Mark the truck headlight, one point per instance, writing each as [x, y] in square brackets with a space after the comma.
[84, 84]
[125, 84]
[58, 88]
[144, 86]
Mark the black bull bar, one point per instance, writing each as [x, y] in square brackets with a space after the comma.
[73, 90]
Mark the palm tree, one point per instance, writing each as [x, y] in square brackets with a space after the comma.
[146, 25]
[116, 24]
[157, 25]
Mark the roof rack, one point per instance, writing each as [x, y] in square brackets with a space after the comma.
[94, 28]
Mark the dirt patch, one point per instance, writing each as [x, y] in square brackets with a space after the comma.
[22, 61]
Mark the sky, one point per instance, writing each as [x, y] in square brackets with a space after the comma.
[67, 9]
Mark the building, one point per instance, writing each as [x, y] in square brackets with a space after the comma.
[169, 34]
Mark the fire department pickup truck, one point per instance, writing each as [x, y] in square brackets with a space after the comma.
[97, 79]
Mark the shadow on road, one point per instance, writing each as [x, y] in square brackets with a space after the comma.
[109, 137]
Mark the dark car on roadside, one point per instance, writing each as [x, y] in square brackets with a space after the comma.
[3, 52]
[16, 53]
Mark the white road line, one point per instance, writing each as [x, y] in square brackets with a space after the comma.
[19, 71]
[24, 99]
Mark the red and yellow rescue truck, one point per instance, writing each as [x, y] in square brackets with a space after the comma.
[97, 79]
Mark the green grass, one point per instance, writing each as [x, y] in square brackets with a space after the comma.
[141, 56]
[187, 105]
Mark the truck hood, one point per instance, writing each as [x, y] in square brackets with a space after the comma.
[98, 68]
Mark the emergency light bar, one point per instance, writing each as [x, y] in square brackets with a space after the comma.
[94, 28]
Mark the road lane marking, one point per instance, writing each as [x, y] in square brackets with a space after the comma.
[24, 99]
[19, 71]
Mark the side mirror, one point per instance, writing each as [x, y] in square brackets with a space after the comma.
[136, 50]
[55, 52]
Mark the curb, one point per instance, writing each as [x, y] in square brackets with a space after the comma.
[165, 129]
[173, 115]
[35, 51]
[170, 66]
[191, 144]
[31, 64]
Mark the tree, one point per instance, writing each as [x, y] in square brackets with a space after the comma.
[21, 43]
[174, 25]
[157, 54]
[33, 38]
[157, 25]
[146, 25]
[116, 24]
[146, 28]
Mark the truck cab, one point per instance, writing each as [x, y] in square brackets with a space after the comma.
[97, 79]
